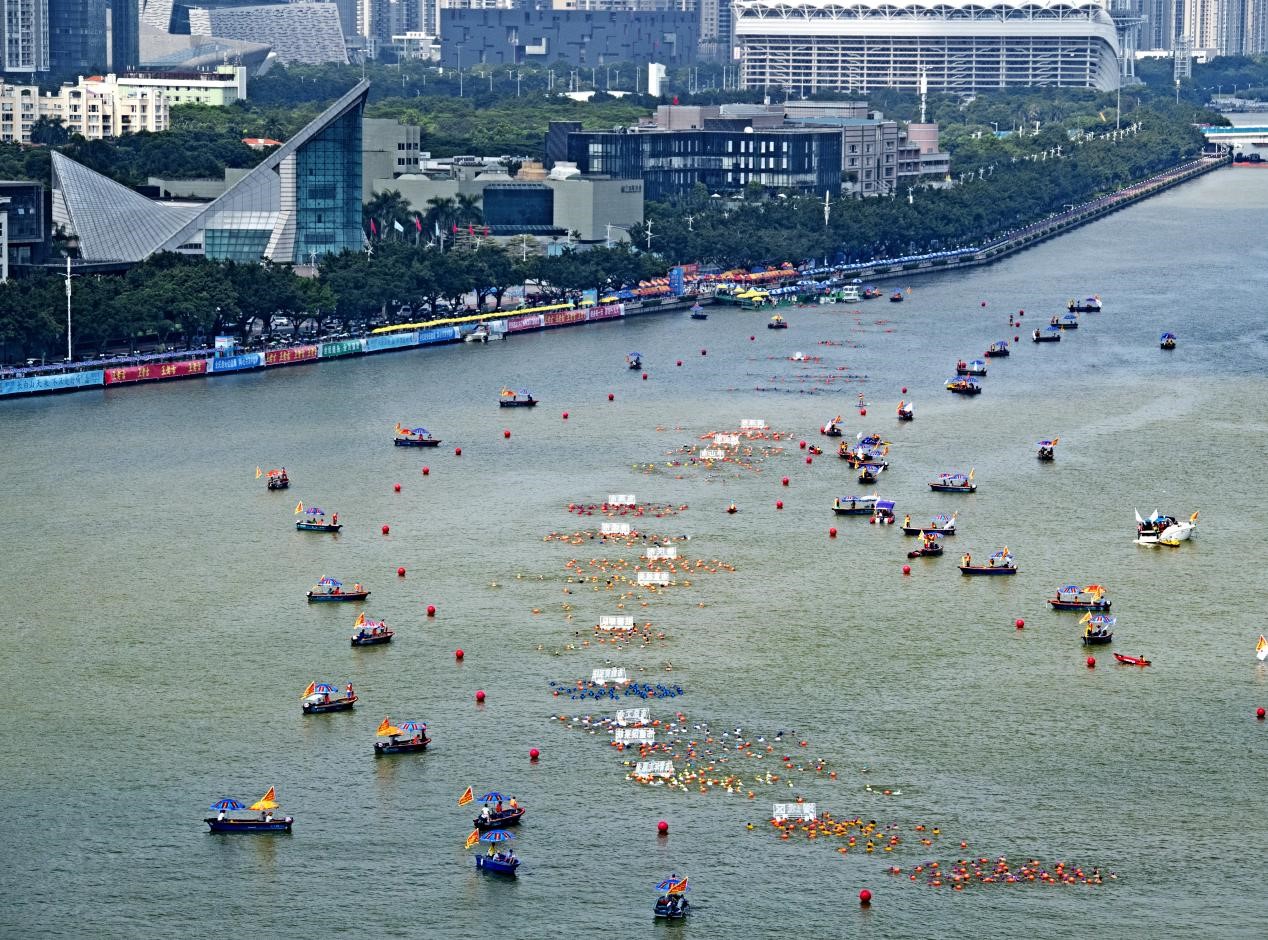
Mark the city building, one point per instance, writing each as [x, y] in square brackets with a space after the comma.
[24, 30]
[88, 35]
[26, 232]
[809, 46]
[388, 149]
[303, 201]
[94, 108]
[224, 86]
[582, 38]
[304, 32]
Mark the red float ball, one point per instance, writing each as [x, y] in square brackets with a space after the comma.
[779, 504]
[904, 389]
[400, 572]
[533, 753]
[385, 528]
[662, 828]
[906, 569]
[832, 532]
[506, 433]
[426, 471]
[479, 695]
[865, 896]
[1016, 339]
[679, 362]
[611, 397]
[1021, 313]
[810, 460]
[396, 487]
[862, 412]
[1091, 662]
[431, 610]
[1259, 713]
[751, 338]
[458, 654]
[784, 481]
[801, 444]
[983, 303]
[644, 376]
[1019, 623]
[565, 416]
[457, 451]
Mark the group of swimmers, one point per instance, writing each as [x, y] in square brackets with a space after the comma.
[659, 510]
[965, 872]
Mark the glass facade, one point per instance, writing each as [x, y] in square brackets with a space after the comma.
[235, 244]
[328, 189]
[524, 206]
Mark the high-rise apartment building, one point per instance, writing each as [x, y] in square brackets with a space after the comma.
[24, 29]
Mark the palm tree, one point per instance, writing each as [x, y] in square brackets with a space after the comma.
[442, 211]
[387, 209]
[468, 209]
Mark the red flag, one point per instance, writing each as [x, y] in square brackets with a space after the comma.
[418, 223]
[470, 230]
[486, 230]
[455, 228]
[374, 229]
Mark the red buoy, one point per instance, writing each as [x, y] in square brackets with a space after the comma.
[479, 695]
[1091, 662]
[565, 416]
[983, 303]
[1259, 713]
[662, 828]
[810, 460]
[1021, 313]
[801, 444]
[904, 389]
[865, 896]
[506, 433]
[396, 487]
[457, 451]
[644, 376]
[784, 481]
[1019, 623]
[779, 504]
[400, 572]
[906, 569]
[385, 528]
[751, 338]
[611, 397]
[533, 754]
[458, 654]
[832, 532]
[862, 412]
[426, 471]
[679, 362]
[431, 610]
[1016, 339]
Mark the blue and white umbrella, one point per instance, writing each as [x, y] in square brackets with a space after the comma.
[497, 835]
[325, 688]
[412, 727]
[492, 797]
[227, 804]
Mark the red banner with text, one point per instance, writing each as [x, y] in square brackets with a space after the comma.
[284, 357]
[155, 371]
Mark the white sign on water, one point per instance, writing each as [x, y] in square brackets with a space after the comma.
[752, 424]
[633, 716]
[662, 553]
[794, 811]
[659, 578]
[634, 735]
[726, 440]
[654, 768]
[712, 453]
[622, 499]
[614, 528]
[604, 676]
[620, 622]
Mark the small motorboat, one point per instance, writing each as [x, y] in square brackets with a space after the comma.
[883, 514]
[1098, 629]
[871, 293]
[697, 312]
[494, 815]
[479, 335]
[1132, 660]
[278, 480]
[672, 903]
[854, 505]
[858, 454]
[943, 524]
[975, 367]
[521, 398]
[1073, 597]
[999, 563]
[319, 698]
[414, 437]
[997, 350]
[1051, 335]
[732, 509]
[777, 323]
[930, 547]
[634, 360]
[497, 863]
[832, 428]
[409, 737]
[371, 632]
[1159, 529]
[1089, 305]
[1069, 322]
[870, 472]
[1166, 341]
[954, 483]
[1047, 450]
[316, 520]
[896, 297]
[963, 386]
[328, 590]
[906, 411]
[222, 822]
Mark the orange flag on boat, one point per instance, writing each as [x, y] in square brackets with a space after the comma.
[258, 473]
[360, 620]
[467, 797]
[1261, 648]
[309, 691]
[472, 839]
[384, 725]
[299, 507]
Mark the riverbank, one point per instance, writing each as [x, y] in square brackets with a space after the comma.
[447, 331]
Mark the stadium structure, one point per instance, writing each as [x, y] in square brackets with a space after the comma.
[806, 46]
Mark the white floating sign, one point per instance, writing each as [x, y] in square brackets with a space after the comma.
[661, 553]
[752, 424]
[712, 453]
[727, 440]
[654, 768]
[622, 499]
[614, 528]
[616, 623]
[659, 578]
[794, 811]
[634, 735]
[604, 676]
[633, 716]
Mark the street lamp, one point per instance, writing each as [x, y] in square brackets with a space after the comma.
[69, 355]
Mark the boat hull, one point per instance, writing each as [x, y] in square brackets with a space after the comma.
[1166, 345]
[254, 826]
[853, 512]
[925, 553]
[495, 867]
[965, 389]
[422, 442]
[997, 354]
[1079, 605]
[382, 748]
[1097, 639]
[509, 817]
[1082, 308]
[1046, 339]
[314, 527]
[776, 326]
[1131, 660]
[975, 571]
[338, 705]
[518, 404]
[699, 316]
[280, 486]
[376, 640]
[946, 488]
[916, 530]
[337, 598]
[906, 416]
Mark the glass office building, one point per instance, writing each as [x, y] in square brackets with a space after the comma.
[302, 202]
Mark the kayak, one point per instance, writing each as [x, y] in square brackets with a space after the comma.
[1131, 660]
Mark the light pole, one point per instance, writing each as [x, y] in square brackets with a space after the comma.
[69, 355]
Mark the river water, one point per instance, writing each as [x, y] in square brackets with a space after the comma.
[158, 638]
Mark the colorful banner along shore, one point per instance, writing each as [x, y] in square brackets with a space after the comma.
[290, 355]
[155, 372]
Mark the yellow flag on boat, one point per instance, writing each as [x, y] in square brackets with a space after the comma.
[268, 801]
[384, 724]
[467, 797]
[971, 472]
[681, 887]
[472, 839]
[299, 507]
[1087, 618]
[1261, 648]
[258, 473]
[360, 620]
[309, 691]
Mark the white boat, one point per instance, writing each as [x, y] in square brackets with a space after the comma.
[1164, 530]
[1261, 649]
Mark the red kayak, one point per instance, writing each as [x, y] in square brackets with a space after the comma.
[1131, 660]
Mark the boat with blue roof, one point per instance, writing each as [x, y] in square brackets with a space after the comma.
[516, 398]
[972, 367]
[1047, 450]
[998, 350]
[963, 385]
[331, 590]
[499, 812]
[943, 524]
[405, 737]
[883, 514]
[672, 903]
[1051, 334]
[1072, 597]
[266, 822]
[634, 360]
[854, 505]
[930, 546]
[371, 632]
[495, 861]
[322, 697]
[997, 563]
[315, 520]
[1098, 629]
[1167, 340]
[1069, 322]
[1087, 305]
[414, 437]
[954, 482]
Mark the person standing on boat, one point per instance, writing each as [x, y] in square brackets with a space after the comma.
[350, 692]
[334, 520]
[967, 560]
